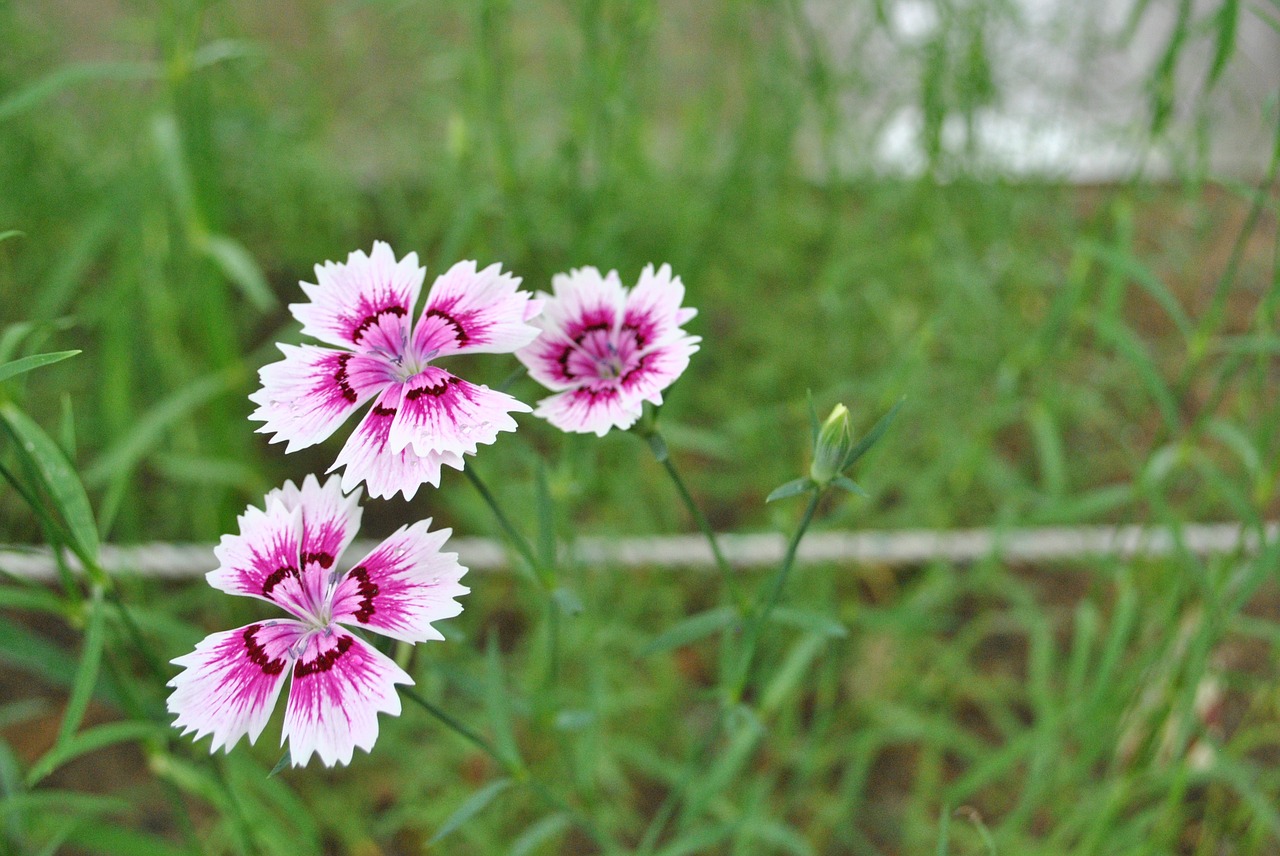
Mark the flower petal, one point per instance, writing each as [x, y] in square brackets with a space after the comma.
[329, 523]
[364, 303]
[583, 301]
[656, 369]
[402, 586]
[441, 412]
[340, 685]
[368, 456]
[230, 683]
[473, 312]
[590, 410]
[653, 314]
[264, 560]
[552, 360]
[308, 394]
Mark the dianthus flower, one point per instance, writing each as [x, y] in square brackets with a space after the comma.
[422, 416]
[605, 350]
[287, 555]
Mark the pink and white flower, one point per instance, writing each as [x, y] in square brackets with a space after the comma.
[422, 416]
[287, 554]
[605, 350]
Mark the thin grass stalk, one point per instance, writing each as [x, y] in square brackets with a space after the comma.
[513, 768]
[765, 606]
[544, 576]
[660, 452]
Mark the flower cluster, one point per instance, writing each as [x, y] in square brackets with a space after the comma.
[601, 349]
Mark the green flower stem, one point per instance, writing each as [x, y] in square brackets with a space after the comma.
[726, 572]
[513, 768]
[764, 607]
[543, 575]
[738, 680]
[522, 545]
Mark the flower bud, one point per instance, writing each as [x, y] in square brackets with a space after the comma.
[835, 440]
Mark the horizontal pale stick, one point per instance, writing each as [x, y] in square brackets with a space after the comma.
[897, 547]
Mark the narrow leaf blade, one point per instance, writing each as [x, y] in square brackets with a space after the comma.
[35, 361]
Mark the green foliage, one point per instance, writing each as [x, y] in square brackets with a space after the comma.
[1067, 355]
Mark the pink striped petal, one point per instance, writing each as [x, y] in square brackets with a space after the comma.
[472, 312]
[340, 685]
[653, 314]
[264, 560]
[368, 457]
[364, 303]
[587, 410]
[556, 362]
[441, 413]
[329, 523]
[230, 683]
[583, 301]
[402, 586]
[656, 369]
[308, 394]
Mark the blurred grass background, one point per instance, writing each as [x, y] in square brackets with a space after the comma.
[1069, 354]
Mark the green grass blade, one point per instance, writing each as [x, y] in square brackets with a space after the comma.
[691, 629]
[539, 832]
[86, 673]
[150, 429]
[90, 740]
[64, 488]
[240, 269]
[35, 361]
[498, 707]
[71, 75]
[470, 807]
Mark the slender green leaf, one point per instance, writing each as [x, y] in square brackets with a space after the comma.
[285, 760]
[815, 424]
[12, 233]
[221, 50]
[691, 629]
[87, 672]
[498, 707]
[63, 801]
[1226, 20]
[790, 489]
[546, 546]
[877, 431]
[1131, 348]
[67, 428]
[240, 268]
[1131, 267]
[470, 807]
[809, 621]
[538, 832]
[64, 488]
[148, 431]
[114, 840]
[70, 75]
[35, 361]
[90, 740]
[849, 485]
[33, 598]
[791, 672]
